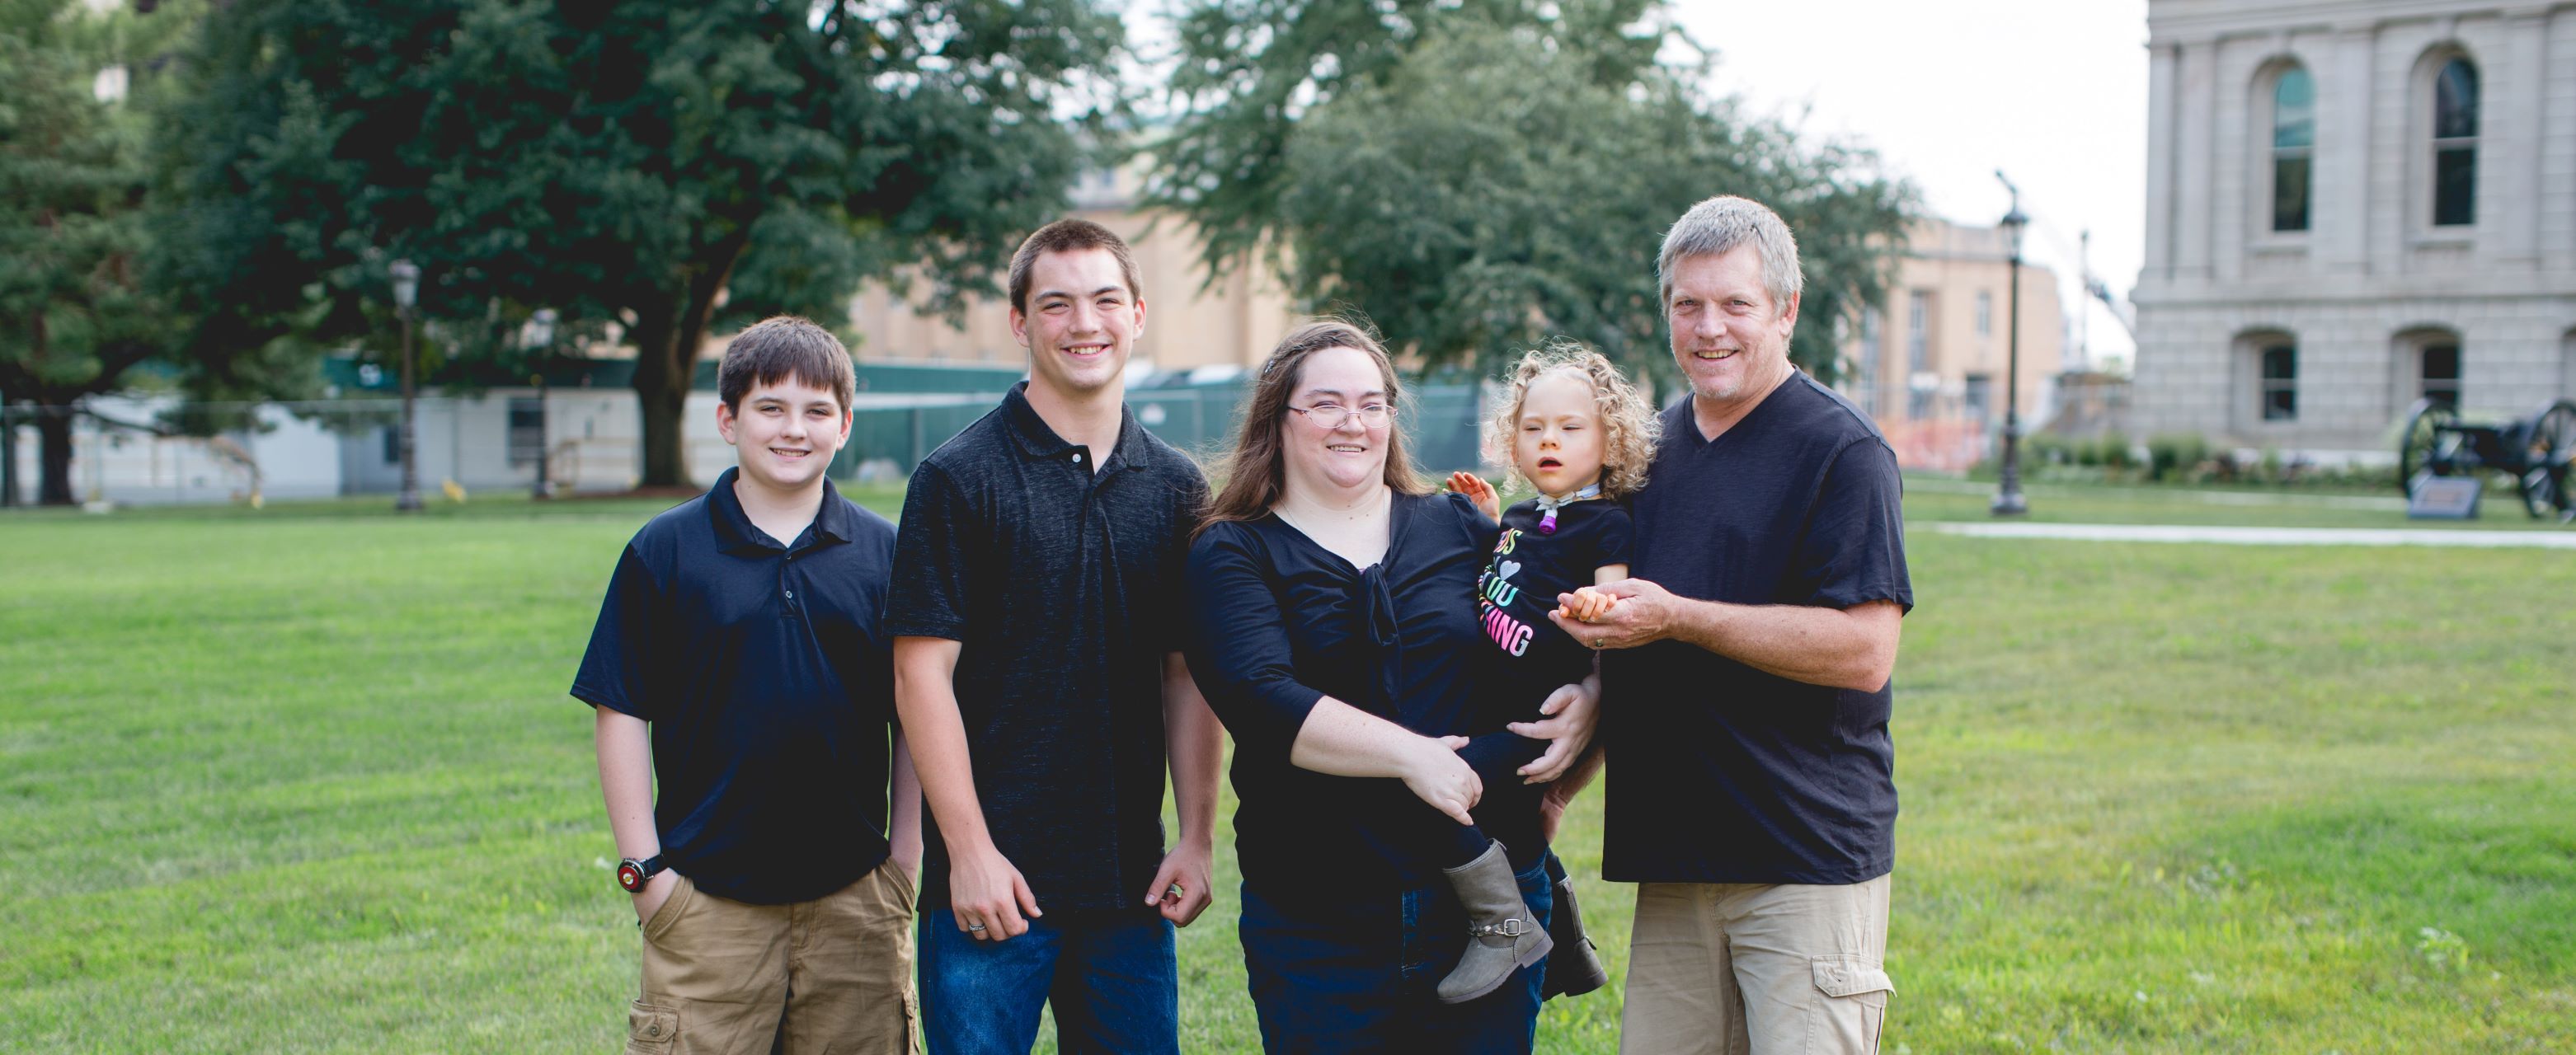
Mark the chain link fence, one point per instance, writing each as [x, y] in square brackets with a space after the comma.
[155, 450]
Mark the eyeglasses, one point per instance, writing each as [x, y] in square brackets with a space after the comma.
[1330, 416]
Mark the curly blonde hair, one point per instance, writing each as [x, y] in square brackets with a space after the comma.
[1629, 424]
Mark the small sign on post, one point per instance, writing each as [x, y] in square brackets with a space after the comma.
[2430, 497]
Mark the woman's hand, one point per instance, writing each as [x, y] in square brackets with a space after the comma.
[1573, 711]
[1479, 492]
[1434, 771]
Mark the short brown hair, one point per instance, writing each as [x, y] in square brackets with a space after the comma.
[1256, 470]
[1070, 236]
[780, 347]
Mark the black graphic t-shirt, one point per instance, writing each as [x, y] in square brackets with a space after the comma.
[1528, 568]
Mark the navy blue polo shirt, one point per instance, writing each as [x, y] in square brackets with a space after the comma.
[769, 682]
[1062, 586]
[1720, 773]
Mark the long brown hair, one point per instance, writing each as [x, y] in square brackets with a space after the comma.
[1256, 469]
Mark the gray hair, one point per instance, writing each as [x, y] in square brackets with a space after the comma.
[1720, 224]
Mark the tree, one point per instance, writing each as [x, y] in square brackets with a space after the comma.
[1480, 176]
[76, 313]
[638, 166]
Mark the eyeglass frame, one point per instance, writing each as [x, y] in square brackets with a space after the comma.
[1386, 415]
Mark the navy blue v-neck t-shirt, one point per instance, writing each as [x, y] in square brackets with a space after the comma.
[1720, 773]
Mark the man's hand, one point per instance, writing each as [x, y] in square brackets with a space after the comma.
[1551, 814]
[1479, 492]
[988, 896]
[1188, 869]
[1642, 612]
[1573, 710]
[1436, 774]
[657, 890]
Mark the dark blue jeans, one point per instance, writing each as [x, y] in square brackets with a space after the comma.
[1335, 975]
[1110, 976]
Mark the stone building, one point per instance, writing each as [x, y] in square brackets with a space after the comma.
[1930, 364]
[2352, 205]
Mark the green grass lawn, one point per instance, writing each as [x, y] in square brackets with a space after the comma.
[305, 779]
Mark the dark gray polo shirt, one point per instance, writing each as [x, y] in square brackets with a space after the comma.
[1064, 587]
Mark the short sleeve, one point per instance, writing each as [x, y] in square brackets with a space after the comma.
[1618, 541]
[1239, 652]
[928, 595]
[621, 670]
[1173, 629]
[1854, 549]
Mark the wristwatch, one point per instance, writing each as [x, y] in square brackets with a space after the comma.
[633, 874]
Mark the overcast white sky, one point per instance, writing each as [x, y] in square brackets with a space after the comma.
[2053, 92]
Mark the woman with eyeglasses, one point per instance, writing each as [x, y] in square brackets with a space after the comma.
[1338, 642]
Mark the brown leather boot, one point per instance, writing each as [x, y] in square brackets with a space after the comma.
[1502, 932]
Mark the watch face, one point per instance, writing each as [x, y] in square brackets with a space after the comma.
[630, 875]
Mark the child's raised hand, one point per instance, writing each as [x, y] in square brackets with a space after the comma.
[1479, 492]
[1586, 605]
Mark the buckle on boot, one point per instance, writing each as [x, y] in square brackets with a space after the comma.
[1509, 928]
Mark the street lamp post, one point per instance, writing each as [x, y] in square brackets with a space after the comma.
[541, 333]
[2008, 499]
[406, 276]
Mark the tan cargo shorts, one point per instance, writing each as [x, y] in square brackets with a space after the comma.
[832, 974]
[1757, 969]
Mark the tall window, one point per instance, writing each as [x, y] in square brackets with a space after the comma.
[1866, 385]
[2455, 144]
[1979, 396]
[1918, 331]
[2294, 143]
[2280, 391]
[527, 432]
[1985, 314]
[2440, 374]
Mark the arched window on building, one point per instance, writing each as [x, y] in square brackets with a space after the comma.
[2294, 143]
[2429, 366]
[2267, 378]
[2455, 144]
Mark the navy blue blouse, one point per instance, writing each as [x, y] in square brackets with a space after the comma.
[1283, 622]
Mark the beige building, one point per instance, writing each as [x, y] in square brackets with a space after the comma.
[1233, 323]
[1930, 364]
[2353, 205]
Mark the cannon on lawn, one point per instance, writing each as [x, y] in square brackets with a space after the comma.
[2536, 452]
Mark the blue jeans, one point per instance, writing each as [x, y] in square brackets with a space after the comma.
[1110, 976]
[1358, 976]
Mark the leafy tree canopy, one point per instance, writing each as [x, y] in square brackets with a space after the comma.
[639, 166]
[76, 313]
[1476, 176]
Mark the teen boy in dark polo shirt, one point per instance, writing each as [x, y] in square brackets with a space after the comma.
[1751, 786]
[739, 662]
[1037, 603]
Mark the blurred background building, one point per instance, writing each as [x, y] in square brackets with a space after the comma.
[2352, 206]
[1929, 363]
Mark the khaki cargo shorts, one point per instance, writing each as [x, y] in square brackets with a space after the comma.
[829, 975]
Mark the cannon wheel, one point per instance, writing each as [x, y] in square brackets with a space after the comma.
[2549, 449]
[2419, 444]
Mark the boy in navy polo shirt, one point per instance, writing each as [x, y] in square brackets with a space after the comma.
[740, 664]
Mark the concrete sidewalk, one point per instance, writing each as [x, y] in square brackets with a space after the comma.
[2262, 536]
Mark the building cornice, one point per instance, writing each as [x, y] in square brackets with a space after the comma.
[2193, 22]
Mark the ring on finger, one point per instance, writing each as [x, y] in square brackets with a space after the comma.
[975, 928]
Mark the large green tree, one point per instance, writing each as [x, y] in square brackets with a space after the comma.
[1479, 175]
[641, 166]
[76, 312]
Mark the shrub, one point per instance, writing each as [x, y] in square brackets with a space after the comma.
[2170, 453]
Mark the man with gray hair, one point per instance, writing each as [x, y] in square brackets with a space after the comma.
[1748, 676]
